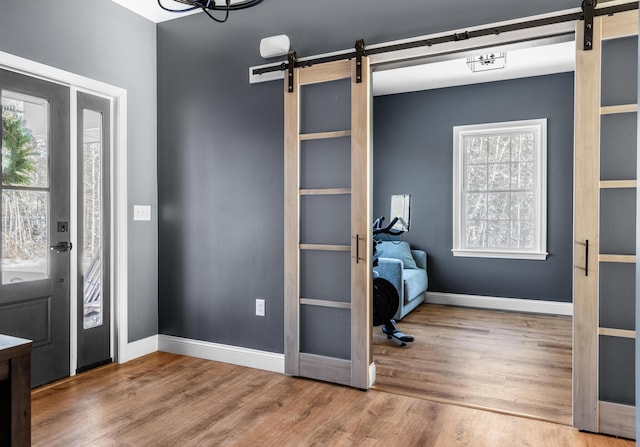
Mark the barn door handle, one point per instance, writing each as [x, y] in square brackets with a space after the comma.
[358, 239]
[61, 246]
[586, 257]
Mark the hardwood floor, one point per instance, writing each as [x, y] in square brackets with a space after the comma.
[510, 362]
[169, 400]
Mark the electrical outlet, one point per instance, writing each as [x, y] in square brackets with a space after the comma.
[260, 307]
[142, 212]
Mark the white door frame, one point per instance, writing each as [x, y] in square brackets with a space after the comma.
[119, 199]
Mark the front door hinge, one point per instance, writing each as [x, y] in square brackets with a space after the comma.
[360, 53]
[293, 58]
[589, 9]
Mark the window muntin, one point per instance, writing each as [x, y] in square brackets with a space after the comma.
[500, 190]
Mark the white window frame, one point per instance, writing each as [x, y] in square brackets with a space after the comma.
[539, 250]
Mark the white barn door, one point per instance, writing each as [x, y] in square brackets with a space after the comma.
[328, 241]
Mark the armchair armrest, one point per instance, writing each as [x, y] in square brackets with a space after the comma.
[391, 270]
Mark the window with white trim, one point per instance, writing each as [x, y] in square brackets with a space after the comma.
[500, 190]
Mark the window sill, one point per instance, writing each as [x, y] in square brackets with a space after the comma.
[537, 256]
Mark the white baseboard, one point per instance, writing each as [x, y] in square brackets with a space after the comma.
[235, 355]
[498, 303]
[139, 348]
[372, 374]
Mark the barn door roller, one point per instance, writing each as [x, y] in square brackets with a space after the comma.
[589, 11]
[360, 53]
[292, 58]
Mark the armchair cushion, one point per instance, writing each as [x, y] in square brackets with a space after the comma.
[420, 257]
[397, 250]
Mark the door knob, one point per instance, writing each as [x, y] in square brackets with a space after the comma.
[61, 246]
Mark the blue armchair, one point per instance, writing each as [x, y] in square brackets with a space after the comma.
[406, 269]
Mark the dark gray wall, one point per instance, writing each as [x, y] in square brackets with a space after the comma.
[101, 40]
[413, 154]
[220, 150]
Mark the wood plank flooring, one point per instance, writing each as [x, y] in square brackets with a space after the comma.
[169, 400]
[510, 362]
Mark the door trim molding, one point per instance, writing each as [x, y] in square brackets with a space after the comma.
[119, 236]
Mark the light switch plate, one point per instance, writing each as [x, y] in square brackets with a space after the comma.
[142, 212]
[260, 307]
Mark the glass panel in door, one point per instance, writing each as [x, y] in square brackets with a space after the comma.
[25, 188]
[91, 253]
[94, 317]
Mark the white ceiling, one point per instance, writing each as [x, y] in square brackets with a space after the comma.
[150, 9]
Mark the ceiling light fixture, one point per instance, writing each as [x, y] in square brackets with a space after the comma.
[486, 62]
[214, 5]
